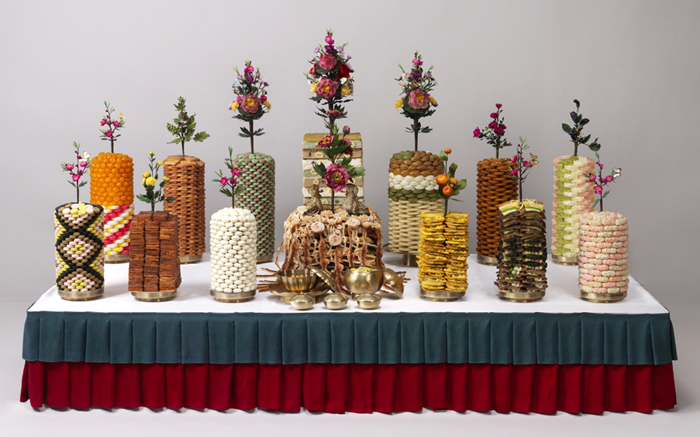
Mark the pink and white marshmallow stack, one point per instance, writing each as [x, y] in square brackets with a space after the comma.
[602, 257]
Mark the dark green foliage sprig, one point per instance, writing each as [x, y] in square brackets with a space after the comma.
[184, 127]
[575, 131]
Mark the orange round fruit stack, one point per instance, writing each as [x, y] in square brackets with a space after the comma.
[112, 179]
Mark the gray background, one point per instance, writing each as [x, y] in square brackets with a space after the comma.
[634, 65]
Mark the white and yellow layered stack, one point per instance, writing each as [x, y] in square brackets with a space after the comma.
[573, 197]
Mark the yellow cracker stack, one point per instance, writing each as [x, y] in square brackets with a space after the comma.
[443, 251]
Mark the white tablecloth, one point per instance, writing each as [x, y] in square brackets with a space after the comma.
[481, 297]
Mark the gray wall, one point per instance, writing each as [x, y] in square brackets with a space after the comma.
[634, 66]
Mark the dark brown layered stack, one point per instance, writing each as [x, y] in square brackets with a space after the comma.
[186, 186]
[494, 185]
[522, 252]
[154, 264]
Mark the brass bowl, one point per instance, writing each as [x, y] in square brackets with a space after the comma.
[363, 280]
[298, 280]
[368, 301]
[394, 280]
[335, 301]
[302, 302]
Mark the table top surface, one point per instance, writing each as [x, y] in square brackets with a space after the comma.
[482, 295]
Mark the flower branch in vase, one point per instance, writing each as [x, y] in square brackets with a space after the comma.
[149, 180]
[230, 186]
[251, 101]
[416, 101]
[600, 182]
[78, 170]
[495, 131]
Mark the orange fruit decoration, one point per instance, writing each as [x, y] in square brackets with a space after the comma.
[112, 179]
[441, 179]
[453, 181]
[447, 190]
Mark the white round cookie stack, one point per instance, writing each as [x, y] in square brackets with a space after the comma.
[233, 255]
[603, 273]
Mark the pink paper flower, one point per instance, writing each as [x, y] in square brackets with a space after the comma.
[598, 189]
[477, 132]
[498, 105]
[515, 158]
[117, 124]
[346, 130]
[337, 177]
[327, 62]
[418, 99]
[108, 134]
[250, 103]
[69, 167]
[224, 181]
[494, 115]
[235, 171]
[329, 39]
[592, 178]
[103, 122]
[326, 141]
[75, 177]
[514, 171]
[326, 88]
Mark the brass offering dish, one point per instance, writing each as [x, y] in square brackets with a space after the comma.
[298, 280]
[363, 280]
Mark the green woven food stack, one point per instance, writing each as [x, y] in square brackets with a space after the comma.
[258, 181]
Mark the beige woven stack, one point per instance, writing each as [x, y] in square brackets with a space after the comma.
[494, 185]
[186, 186]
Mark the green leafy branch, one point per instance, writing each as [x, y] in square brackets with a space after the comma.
[184, 127]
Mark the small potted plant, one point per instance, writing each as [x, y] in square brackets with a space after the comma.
[257, 169]
[603, 275]
[412, 173]
[112, 186]
[444, 242]
[186, 187]
[573, 196]
[494, 185]
[522, 250]
[232, 229]
[79, 239]
[154, 268]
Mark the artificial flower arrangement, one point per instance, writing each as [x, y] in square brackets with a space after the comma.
[251, 100]
[495, 131]
[416, 101]
[149, 180]
[520, 166]
[112, 186]
[230, 185]
[111, 126]
[449, 185]
[331, 82]
[79, 239]
[184, 127]
[78, 170]
[575, 131]
[600, 182]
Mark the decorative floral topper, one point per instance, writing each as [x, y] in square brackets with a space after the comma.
[112, 126]
[78, 170]
[600, 181]
[494, 132]
[149, 181]
[184, 127]
[330, 80]
[340, 171]
[520, 166]
[416, 101]
[230, 186]
[449, 185]
[251, 100]
[575, 131]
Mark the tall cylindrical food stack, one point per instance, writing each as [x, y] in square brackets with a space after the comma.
[186, 187]
[233, 255]
[112, 186]
[412, 190]
[602, 260]
[494, 185]
[258, 181]
[79, 251]
[573, 197]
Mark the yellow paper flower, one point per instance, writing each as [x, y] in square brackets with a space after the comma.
[143, 181]
[145, 174]
[121, 116]
[150, 153]
[160, 162]
[166, 179]
[398, 104]
[267, 104]
[233, 106]
[345, 90]
[150, 181]
[432, 101]
[313, 87]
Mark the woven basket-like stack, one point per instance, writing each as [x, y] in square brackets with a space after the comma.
[186, 186]
[573, 197]
[412, 190]
[258, 181]
[154, 267]
[494, 185]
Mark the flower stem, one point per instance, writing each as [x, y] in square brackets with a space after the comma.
[575, 149]
[333, 201]
[111, 143]
[252, 146]
[415, 133]
[444, 213]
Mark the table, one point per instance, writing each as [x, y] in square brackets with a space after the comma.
[480, 353]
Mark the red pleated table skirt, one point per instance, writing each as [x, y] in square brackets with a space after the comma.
[357, 388]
